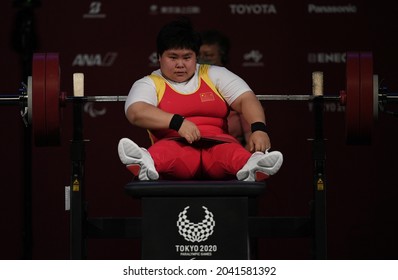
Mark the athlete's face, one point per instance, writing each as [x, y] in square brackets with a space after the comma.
[178, 65]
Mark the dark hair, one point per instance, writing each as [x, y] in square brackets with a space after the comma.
[214, 37]
[178, 34]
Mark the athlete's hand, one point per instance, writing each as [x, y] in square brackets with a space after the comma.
[259, 142]
[189, 131]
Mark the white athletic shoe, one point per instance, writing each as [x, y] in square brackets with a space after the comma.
[260, 166]
[137, 159]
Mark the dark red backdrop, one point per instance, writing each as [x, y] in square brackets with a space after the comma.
[276, 45]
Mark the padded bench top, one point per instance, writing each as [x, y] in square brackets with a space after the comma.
[163, 188]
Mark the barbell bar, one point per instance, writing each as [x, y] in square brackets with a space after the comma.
[41, 98]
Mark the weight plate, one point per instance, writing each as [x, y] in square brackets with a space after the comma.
[366, 98]
[39, 99]
[352, 112]
[52, 99]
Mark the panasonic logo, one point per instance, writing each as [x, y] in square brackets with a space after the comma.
[91, 60]
[346, 9]
[252, 9]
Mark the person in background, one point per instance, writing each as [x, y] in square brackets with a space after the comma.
[215, 50]
[184, 106]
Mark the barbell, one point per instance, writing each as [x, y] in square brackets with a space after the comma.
[41, 97]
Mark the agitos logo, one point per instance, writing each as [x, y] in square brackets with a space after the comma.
[196, 232]
[92, 60]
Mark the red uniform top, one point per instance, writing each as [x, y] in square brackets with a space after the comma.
[205, 107]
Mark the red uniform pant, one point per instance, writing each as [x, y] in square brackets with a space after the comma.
[201, 160]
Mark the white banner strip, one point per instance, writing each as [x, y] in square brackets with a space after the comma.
[196, 269]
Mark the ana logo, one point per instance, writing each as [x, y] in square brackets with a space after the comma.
[195, 232]
[95, 59]
[94, 10]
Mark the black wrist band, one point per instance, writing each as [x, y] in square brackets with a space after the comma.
[176, 122]
[258, 126]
